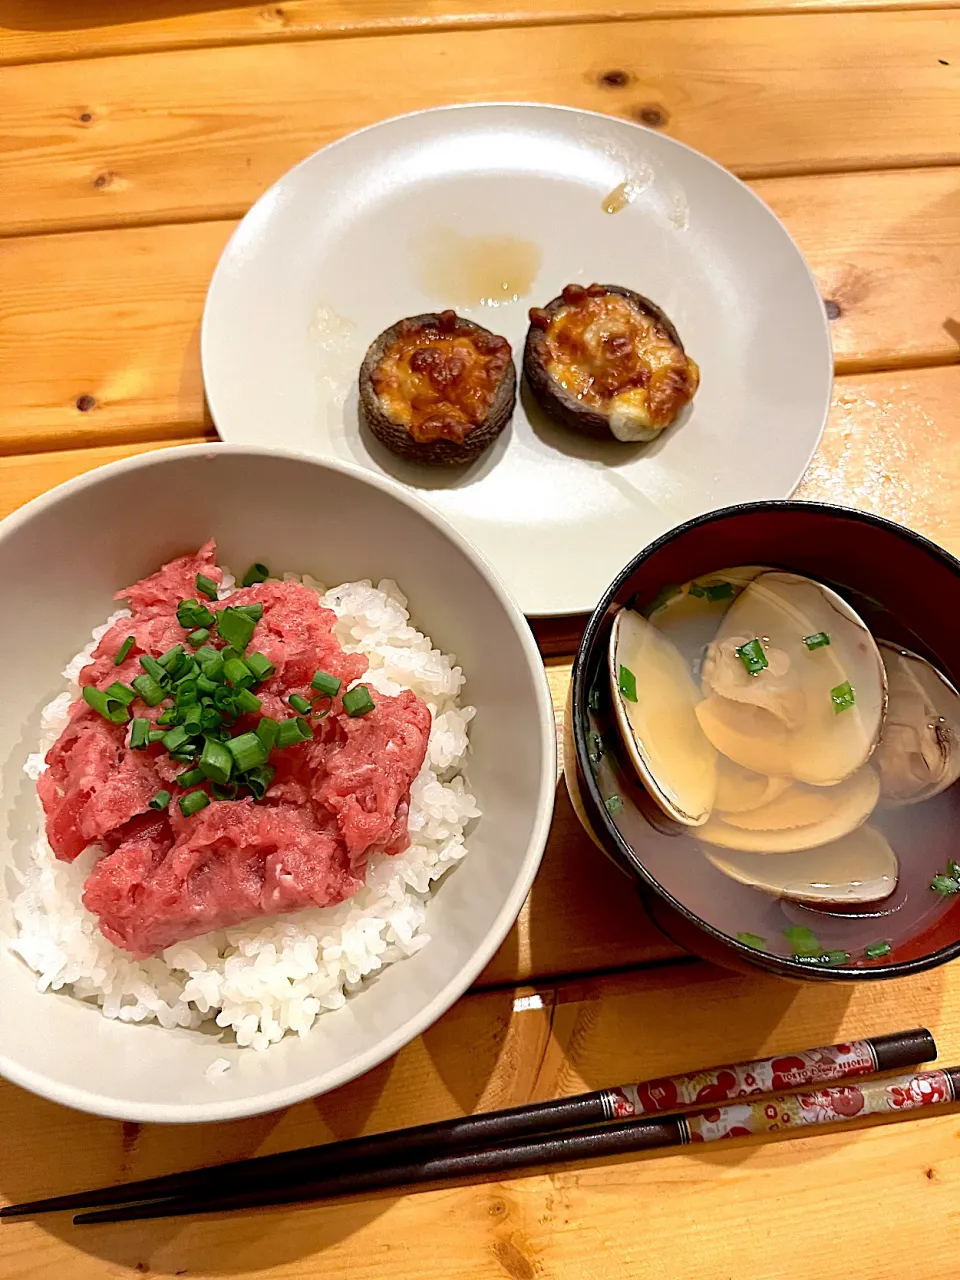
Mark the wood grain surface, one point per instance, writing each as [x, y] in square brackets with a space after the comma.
[132, 137]
[806, 1206]
[199, 134]
[32, 32]
[85, 359]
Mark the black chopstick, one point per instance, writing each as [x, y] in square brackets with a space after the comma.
[748, 1117]
[448, 1137]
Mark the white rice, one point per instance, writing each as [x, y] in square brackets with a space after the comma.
[271, 976]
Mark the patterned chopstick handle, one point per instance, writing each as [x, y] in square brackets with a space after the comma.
[820, 1106]
[724, 1084]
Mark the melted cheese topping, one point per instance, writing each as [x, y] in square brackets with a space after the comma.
[615, 358]
[440, 384]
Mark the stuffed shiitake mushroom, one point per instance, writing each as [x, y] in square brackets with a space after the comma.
[438, 389]
[608, 362]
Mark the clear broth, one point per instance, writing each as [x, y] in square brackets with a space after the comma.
[924, 836]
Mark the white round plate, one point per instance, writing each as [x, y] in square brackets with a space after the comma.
[490, 210]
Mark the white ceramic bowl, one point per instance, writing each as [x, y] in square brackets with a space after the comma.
[62, 557]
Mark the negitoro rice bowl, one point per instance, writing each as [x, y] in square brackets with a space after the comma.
[182, 1008]
[263, 977]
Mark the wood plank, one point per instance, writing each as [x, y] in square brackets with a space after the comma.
[115, 315]
[884, 249]
[94, 28]
[761, 1210]
[192, 134]
[892, 446]
[100, 336]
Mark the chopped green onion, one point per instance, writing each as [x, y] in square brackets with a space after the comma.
[256, 573]
[752, 940]
[205, 684]
[320, 708]
[206, 586]
[627, 683]
[252, 611]
[168, 716]
[139, 734]
[213, 669]
[835, 957]
[193, 803]
[246, 701]
[613, 804]
[170, 656]
[228, 652]
[323, 682]
[187, 756]
[719, 591]
[595, 749]
[259, 780]
[224, 698]
[300, 704]
[260, 665]
[176, 739]
[206, 653]
[248, 751]
[196, 638]
[153, 668]
[190, 718]
[842, 696]
[357, 702]
[187, 691]
[593, 702]
[803, 941]
[224, 792]
[237, 673]
[292, 731]
[817, 641]
[124, 651]
[121, 692]
[155, 735]
[110, 708]
[149, 689]
[953, 869]
[944, 885]
[697, 590]
[190, 778]
[216, 762]
[752, 656]
[877, 949]
[160, 800]
[210, 719]
[267, 732]
[236, 628]
[191, 613]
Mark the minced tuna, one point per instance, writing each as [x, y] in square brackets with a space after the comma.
[172, 869]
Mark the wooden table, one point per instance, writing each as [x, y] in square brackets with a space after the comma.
[128, 149]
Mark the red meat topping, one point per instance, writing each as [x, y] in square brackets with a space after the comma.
[335, 800]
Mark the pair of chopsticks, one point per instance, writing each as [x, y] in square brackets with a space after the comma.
[740, 1101]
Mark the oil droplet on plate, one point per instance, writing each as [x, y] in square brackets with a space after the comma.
[470, 271]
[618, 198]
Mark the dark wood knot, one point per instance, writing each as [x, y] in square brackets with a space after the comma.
[615, 79]
[86, 403]
[832, 309]
[652, 114]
